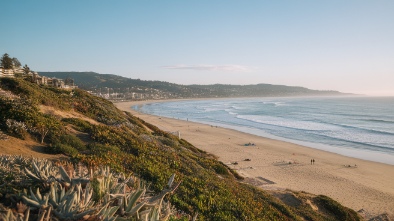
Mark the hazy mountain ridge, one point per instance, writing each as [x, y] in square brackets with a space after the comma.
[97, 82]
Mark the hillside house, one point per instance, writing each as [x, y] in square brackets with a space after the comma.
[69, 82]
[41, 80]
[10, 72]
[56, 82]
[37, 79]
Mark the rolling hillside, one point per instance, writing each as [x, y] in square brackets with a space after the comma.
[99, 82]
[92, 131]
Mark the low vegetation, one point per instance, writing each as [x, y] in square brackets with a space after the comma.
[129, 145]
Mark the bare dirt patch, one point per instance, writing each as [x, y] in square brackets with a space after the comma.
[28, 148]
[65, 114]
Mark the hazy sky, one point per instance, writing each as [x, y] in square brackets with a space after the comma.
[320, 44]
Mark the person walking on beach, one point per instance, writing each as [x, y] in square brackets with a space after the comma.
[313, 161]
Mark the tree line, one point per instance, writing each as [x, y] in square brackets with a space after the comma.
[9, 63]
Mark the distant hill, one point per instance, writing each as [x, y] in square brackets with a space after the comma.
[97, 82]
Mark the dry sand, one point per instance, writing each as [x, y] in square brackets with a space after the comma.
[278, 165]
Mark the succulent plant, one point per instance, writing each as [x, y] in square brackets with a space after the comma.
[43, 171]
[58, 196]
[36, 199]
[44, 214]
[9, 216]
[107, 213]
[131, 203]
[73, 208]
[68, 193]
[71, 178]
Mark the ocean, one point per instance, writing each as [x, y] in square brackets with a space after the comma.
[360, 127]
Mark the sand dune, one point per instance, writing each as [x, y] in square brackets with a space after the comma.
[276, 165]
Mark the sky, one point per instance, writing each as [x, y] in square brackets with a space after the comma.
[343, 45]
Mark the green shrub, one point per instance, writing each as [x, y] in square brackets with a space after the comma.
[340, 212]
[17, 129]
[220, 169]
[63, 148]
[81, 125]
[169, 142]
[99, 149]
[236, 175]
[73, 141]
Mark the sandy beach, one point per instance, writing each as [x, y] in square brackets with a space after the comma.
[278, 165]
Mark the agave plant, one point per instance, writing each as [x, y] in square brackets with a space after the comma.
[68, 194]
[107, 213]
[36, 199]
[71, 178]
[57, 194]
[42, 171]
[5, 167]
[21, 214]
[10, 216]
[82, 197]
[73, 208]
[10, 169]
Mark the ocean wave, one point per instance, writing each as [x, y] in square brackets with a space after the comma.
[379, 121]
[367, 130]
[354, 115]
[371, 142]
[211, 109]
[231, 112]
[332, 131]
[288, 123]
[275, 103]
[235, 107]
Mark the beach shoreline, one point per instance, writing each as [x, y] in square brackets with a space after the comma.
[279, 165]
